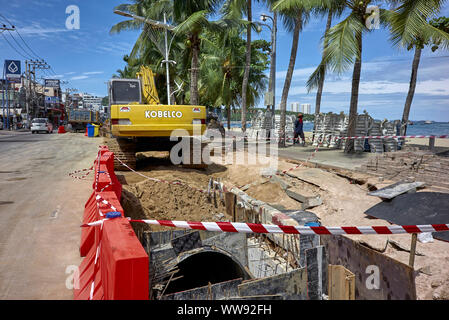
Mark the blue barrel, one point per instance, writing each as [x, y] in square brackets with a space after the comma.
[90, 131]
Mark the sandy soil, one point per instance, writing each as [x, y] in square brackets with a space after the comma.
[147, 199]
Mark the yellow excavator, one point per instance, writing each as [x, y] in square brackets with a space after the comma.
[138, 122]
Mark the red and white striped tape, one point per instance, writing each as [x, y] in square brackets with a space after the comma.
[272, 228]
[392, 137]
[101, 200]
[358, 137]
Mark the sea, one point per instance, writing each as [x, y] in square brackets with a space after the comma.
[418, 128]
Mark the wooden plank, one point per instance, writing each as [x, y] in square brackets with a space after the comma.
[411, 262]
[341, 284]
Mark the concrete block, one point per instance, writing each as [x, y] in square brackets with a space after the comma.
[159, 238]
[233, 243]
[317, 269]
[291, 285]
[186, 242]
[306, 201]
[396, 189]
[262, 262]
[307, 242]
[217, 291]
[283, 184]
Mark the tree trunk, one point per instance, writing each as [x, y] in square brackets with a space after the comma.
[247, 67]
[272, 80]
[229, 117]
[194, 99]
[288, 78]
[319, 92]
[349, 148]
[411, 91]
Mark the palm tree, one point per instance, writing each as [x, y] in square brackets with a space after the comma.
[334, 10]
[247, 65]
[344, 48]
[294, 14]
[233, 10]
[409, 28]
[222, 70]
[192, 18]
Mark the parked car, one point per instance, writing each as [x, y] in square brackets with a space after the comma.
[41, 125]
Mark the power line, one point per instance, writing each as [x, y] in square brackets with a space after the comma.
[27, 45]
[13, 46]
[18, 44]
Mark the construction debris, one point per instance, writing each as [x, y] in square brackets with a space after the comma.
[397, 189]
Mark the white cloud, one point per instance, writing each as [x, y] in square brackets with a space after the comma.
[428, 87]
[37, 30]
[93, 72]
[79, 78]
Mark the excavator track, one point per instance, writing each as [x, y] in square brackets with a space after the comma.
[123, 149]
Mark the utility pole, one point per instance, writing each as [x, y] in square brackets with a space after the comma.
[4, 28]
[39, 65]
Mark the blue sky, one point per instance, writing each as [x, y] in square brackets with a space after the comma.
[88, 57]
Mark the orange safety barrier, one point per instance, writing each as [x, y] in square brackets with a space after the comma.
[115, 265]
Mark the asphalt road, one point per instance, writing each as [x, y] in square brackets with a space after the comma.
[41, 208]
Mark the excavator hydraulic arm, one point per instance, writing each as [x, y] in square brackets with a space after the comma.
[149, 92]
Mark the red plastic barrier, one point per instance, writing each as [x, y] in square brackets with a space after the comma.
[123, 255]
[88, 234]
[61, 129]
[92, 214]
[121, 270]
[87, 274]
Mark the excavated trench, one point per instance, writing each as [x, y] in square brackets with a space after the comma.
[199, 269]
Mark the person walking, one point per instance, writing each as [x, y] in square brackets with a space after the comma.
[299, 130]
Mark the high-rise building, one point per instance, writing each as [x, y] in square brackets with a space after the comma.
[306, 108]
[295, 106]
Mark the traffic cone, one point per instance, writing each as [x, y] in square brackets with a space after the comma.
[85, 133]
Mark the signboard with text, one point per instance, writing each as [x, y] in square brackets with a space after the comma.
[52, 83]
[51, 99]
[12, 71]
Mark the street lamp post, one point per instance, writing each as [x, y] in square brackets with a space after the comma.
[272, 81]
[164, 26]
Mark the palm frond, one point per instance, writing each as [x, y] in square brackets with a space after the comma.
[342, 46]
[408, 19]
